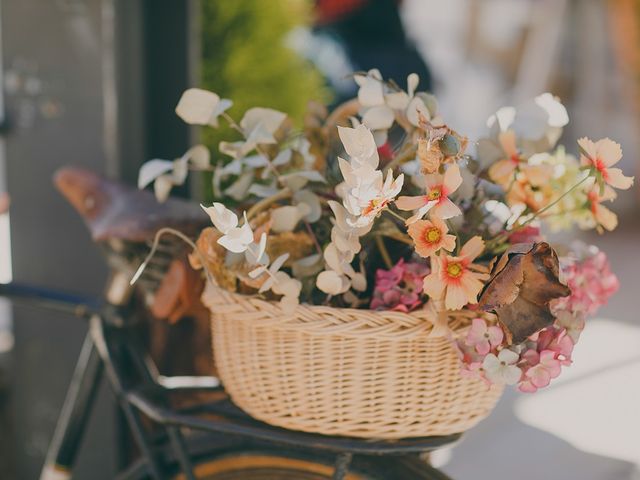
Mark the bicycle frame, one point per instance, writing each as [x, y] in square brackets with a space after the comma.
[110, 348]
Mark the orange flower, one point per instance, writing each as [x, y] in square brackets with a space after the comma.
[430, 236]
[454, 278]
[502, 171]
[601, 155]
[601, 214]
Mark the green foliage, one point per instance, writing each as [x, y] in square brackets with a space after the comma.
[244, 58]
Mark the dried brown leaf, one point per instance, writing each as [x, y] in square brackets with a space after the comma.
[523, 283]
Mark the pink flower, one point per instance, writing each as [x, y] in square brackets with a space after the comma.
[429, 236]
[603, 217]
[456, 279]
[474, 370]
[482, 337]
[436, 200]
[590, 279]
[527, 387]
[527, 234]
[556, 340]
[601, 156]
[502, 171]
[549, 367]
[400, 288]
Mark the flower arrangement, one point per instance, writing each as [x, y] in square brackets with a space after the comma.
[396, 212]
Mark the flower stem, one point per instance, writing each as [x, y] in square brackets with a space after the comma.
[384, 252]
[395, 215]
[156, 244]
[267, 202]
[313, 237]
[536, 215]
[406, 153]
[232, 123]
[400, 237]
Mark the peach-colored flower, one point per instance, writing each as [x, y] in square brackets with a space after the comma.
[602, 155]
[502, 171]
[430, 236]
[454, 279]
[436, 200]
[601, 214]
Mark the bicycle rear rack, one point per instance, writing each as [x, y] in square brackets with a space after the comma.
[110, 347]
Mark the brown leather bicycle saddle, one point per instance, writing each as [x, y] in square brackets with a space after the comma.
[112, 210]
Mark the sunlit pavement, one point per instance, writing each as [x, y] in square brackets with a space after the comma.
[586, 425]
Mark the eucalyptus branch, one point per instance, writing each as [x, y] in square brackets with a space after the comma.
[232, 123]
[267, 202]
[156, 244]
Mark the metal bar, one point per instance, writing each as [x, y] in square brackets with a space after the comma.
[343, 461]
[76, 305]
[75, 411]
[179, 448]
[260, 431]
[96, 328]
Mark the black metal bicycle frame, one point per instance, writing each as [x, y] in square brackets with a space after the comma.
[109, 347]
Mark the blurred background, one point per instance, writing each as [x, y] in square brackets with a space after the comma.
[94, 83]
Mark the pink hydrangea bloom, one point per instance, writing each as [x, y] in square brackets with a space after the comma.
[541, 357]
[540, 375]
[590, 280]
[400, 288]
[483, 337]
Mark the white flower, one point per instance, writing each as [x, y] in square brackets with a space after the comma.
[235, 239]
[221, 217]
[502, 369]
[360, 146]
[365, 194]
[343, 234]
[368, 199]
[375, 112]
[258, 126]
[371, 91]
[201, 107]
[412, 104]
[166, 173]
[537, 123]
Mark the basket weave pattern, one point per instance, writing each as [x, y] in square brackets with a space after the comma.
[348, 372]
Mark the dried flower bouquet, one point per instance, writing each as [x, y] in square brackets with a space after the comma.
[396, 212]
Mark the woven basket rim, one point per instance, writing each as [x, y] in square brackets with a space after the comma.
[343, 320]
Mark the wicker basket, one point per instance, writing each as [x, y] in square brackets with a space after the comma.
[347, 372]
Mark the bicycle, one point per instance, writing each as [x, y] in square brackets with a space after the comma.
[212, 440]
